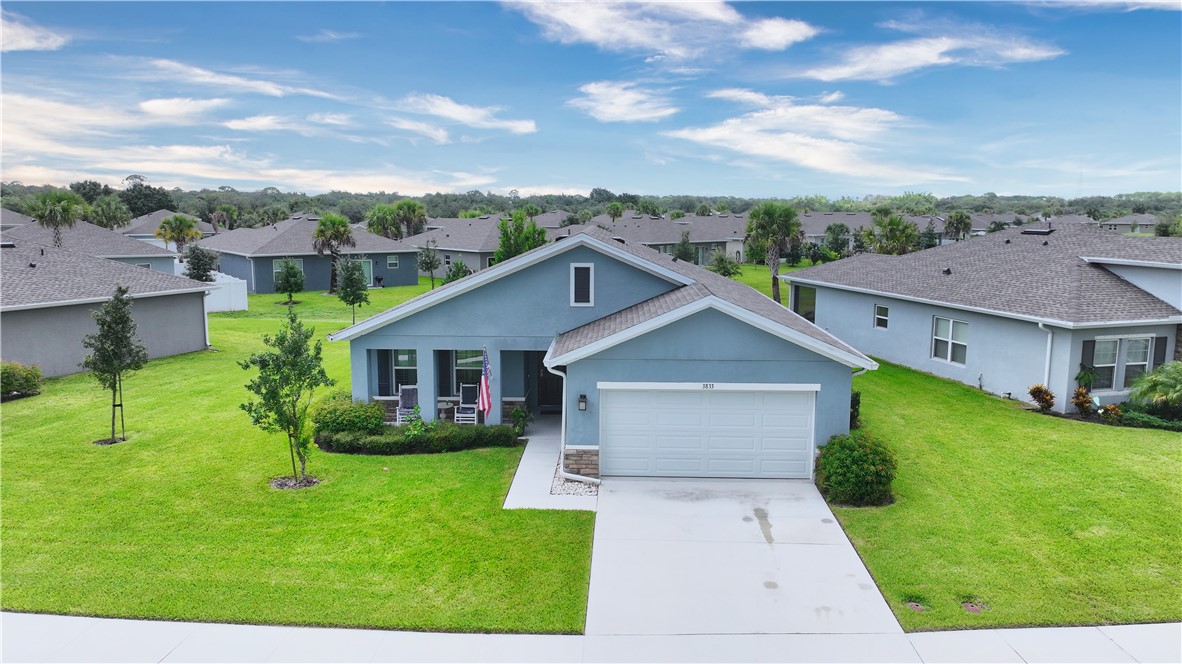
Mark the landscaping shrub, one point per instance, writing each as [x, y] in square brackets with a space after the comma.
[855, 409]
[1042, 396]
[856, 469]
[1110, 414]
[1082, 400]
[341, 414]
[19, 380]
[446, 437]
[1141, 420]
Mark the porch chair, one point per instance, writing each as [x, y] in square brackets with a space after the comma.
[408, 398]
[466, 411]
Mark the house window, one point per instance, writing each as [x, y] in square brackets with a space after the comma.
[144, 265]
[488, 262]
[582, 284]
[447, 260]
[1136, 360]
[881, 314]
[1104, 360]
[467, 368]
[804, 302]
[277, 265]
[395, 369]
[392, 262]
[950, 340]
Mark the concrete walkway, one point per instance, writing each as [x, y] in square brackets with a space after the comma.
[44, 638]
[535, 473]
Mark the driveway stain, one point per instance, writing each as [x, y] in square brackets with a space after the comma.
[765, 526]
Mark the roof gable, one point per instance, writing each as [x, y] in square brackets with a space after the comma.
[293, 237]
[148, 223]
[86, 238]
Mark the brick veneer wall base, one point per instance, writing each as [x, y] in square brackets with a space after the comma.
[581, 462]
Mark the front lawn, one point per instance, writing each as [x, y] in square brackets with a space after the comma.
[1046, 521]
[179, 523]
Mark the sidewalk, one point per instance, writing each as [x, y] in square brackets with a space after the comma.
[46, 638]
[535, 473]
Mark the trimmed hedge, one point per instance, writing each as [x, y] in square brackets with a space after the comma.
[19, 380]
[1133, 418]
[341, 414]
[446, 437]
[856, 469]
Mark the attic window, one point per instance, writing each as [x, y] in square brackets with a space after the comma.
[582, 284]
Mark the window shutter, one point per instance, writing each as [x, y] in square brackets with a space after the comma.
[1159, 351]
[1088, 357]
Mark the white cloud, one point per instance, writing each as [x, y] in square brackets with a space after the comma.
[830, 139]
[180, 109]
[334, 119]
[437, 134]
[1115, 5]
[325, 36]
[472, 116]
[16, 34]
[161, 69]
[609, 101]
[664, 30]
[831, 97]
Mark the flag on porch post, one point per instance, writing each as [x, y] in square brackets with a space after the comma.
[484, 403]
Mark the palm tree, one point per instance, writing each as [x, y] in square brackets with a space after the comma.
[56, 210]
[531, 211]
[109, 212]
[332, 233]
[773, 224]
[959, 224]
[615, 210]
[703, 210]
[383, 220]
[178, 229]
[412, 215]
[893, 235]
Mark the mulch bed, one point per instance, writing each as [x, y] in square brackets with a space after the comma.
[292, 483]
[110, 441]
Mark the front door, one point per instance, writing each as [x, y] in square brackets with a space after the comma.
[549, 390]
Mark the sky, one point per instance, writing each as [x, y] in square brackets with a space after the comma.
[764, 99]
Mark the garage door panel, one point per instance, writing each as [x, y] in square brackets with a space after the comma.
[720, 433]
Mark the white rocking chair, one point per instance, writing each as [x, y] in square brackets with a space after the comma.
[466, 412]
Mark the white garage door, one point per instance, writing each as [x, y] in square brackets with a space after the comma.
[721, 431]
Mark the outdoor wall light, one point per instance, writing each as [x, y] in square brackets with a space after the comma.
[582, 402]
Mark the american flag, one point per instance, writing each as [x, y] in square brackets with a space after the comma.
[484, 403]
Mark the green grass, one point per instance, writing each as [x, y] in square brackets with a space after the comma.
[1047, 521]
[180, 524]
[759, 277]
[319, 305]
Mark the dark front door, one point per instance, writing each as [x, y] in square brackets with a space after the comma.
[549, 389]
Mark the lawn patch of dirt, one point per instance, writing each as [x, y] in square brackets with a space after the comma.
[292, 483]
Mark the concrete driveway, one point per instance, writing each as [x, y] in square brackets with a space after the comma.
[726, 557]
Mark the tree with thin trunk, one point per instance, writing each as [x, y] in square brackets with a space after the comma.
[354, 288]
[201, 263]
[518, 237]
[109, 212]
[684, 249]
[56, 210]
[773, 223]
[115, 351]
[429, 260]
[837, 237]
[178, 229]
[615, 210]
[382, 220]
[332, 233]
[289, 279]
[958, 225]
[531, 211]
[411, 215]
[287, 380]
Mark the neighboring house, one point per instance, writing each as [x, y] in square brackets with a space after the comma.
[659, 367]
[86, 238]
[815, 223]
[1130, 223]
[47, 296]
[473, 241]
[1011, 309]
[254, 254]
[145, 227]
[12, 219]
[551, 219]
[724, 233]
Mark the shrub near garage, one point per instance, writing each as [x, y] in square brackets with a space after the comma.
[445, 437]
[856, 469]
[340, 413]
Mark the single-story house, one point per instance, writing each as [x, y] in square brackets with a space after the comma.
[47, 296]
[86, 238]
[144, 227]
[719, 233]
[1130, 223]
[255, 254]
[815, 223]
[13, 219]
[473, 241]
[1011, 309]
[658, 367]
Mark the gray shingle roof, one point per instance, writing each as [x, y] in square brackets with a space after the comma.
[1023, 277]
[478, 235]
[293, 237]
[13, 218]
[148, 223]
[88, 239]
[61, 276]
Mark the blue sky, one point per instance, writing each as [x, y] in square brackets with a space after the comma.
[746, 99]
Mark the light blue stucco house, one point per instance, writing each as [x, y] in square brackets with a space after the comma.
[255, 254]
[658, 367]
[1010, 309]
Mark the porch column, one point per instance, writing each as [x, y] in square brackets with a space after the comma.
[495, 391]
[428, 397]
[359, 372]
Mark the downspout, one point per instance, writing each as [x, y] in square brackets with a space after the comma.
[205, 316]
[562, 447]
[1046, 372]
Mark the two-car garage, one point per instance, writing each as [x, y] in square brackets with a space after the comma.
[707, 430]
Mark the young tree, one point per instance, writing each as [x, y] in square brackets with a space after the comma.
[200, 263]
[929, 237]
[289, 280]
[958, 225]
[531, 211]
[354, 289]
[332, 233]
[109, 212]
[56, 210]
[116, 351]
[457, 270]
[287, 379]
[412, 215]
[773, 223]
[178, 229]
[615, 210]
[382, 219]
[429, 260]
[722, 264]
[837, 237]
[995, 226]
[518, 237]
[684, 250]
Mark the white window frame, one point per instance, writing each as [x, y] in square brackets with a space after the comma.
[884, 317]
[392, 262]
[456, 368]
[1115, 364]
[144, 265]
[1118, 369]
[489, 262]
[949, 339]
[447, 260]
[275, 263]
[591, 286]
